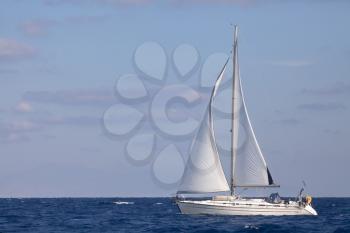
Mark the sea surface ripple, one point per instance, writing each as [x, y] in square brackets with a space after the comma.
[156, 215]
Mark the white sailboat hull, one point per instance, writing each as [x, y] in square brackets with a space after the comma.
[243, 207]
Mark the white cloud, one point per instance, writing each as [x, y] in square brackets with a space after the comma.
[41, 27]
[13, 138]
[99, 97]
[125, 2]
[145, 2]
[36, 27]
[68, 120]
[331, 89]
[243, 3]
[21, 130]
[322, 107]
[24, 106]
[16, 131]
[23, 126]
[11, 49]
[291, 63]
[110, 2]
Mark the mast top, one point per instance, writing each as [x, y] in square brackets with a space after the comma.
[235, 38]
[235, 28]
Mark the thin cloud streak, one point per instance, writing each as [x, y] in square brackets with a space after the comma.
[23, 107]
[334, 132]
[290, 122]
[103, 2]
[36, 27]
[322, 107]
[98, 97]
[13, 138]
[291, 63]
[41, 27]
[243, 3]
[138, 3]
[71, 120]
[7, 71]
[19, 126]
[11, 50]
[20, 130]
[16, 131]
[335, 89]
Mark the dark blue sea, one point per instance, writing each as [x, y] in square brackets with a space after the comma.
[155, 215]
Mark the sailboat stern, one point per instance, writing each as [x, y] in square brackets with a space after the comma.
[311, 210]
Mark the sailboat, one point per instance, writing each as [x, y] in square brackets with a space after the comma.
[204, 174]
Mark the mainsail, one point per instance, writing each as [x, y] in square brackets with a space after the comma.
[249, 168]
[203, 172]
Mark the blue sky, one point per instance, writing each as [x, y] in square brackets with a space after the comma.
[60, 59]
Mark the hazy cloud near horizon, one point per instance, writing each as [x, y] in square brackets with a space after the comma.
[97, 96]
[322, 106]
[337, 88]
[13, 50]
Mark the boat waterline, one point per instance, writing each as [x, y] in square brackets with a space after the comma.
[243, 207]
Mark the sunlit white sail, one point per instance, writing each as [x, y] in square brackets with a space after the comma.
[250, 168]
[203, 172]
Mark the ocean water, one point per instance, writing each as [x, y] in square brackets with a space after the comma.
[156, 215]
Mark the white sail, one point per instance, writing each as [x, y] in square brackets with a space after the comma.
[203, 172]
[249, 166]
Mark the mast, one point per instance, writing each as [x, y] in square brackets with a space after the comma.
[233, 131]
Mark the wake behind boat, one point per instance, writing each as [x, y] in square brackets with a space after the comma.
[204, 174]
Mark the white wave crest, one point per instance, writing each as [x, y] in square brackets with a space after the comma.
[123, 202]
